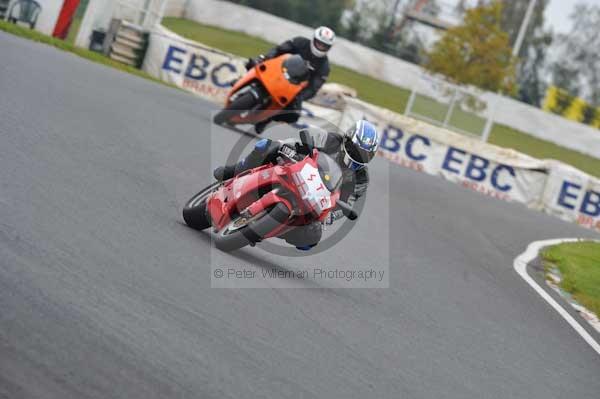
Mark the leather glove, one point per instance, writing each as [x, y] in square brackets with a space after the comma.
[333, 216]
[251, 63]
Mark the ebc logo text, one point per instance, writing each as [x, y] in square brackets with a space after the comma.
[472, 167]
[478, 169]
[414, 148]
[198, 67]
[569, 198]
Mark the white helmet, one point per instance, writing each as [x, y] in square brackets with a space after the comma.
[322, 41]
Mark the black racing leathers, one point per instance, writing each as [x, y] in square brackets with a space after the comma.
[319, 71]
[354, 183]
[319, 66]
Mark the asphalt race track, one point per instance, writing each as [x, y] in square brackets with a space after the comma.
[104, 293]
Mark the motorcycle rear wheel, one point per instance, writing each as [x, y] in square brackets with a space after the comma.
[241, 104]
[195, 214]
[239, 233]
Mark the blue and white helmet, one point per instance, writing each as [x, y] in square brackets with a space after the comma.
[360, 144]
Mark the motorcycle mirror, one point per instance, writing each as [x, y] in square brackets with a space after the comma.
[307, 139]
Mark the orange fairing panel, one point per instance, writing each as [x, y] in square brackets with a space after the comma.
[271, 74]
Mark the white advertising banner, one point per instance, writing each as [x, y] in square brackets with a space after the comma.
[490, 170]
[573, 196]
[315, 115]
[199, 69]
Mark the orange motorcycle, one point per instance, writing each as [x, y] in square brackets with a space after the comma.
[265, 90]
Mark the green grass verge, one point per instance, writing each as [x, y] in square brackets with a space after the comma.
[579, 265]
[73, 30]
[70, 47]
[389, 96]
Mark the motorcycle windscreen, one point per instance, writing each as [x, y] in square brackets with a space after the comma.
[330, 172]
[295, 69]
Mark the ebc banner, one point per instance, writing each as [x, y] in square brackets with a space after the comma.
[200, 69]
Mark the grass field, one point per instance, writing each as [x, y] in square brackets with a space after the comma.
[579, 266]
[388, 96]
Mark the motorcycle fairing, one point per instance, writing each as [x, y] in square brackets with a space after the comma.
[269, 74]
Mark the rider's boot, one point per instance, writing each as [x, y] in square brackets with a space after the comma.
[224, 172]
[264, 151]
[261, 126]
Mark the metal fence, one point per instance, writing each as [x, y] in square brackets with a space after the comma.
[453, 107]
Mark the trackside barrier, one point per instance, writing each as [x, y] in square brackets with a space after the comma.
[572, 195]
[549, 186]
[496, 172]
[202, 70]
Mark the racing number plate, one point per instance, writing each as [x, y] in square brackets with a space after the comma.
[312, 189]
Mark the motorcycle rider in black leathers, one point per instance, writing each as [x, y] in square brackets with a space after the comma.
[352, 151]
[315, 53]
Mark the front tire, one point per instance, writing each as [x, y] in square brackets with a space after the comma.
[195, 214]
[237, 234]
[241, 104]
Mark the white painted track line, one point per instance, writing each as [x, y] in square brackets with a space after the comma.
[520, 265]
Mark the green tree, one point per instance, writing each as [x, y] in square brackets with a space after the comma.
[533, 52]
[563, 77]
[513, 12]
[477, 52]
[353, 29]
[307, 12]
[391, 33]
[532, 85]
[577, 65]
[382, 37]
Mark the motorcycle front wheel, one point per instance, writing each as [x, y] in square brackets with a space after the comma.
[240, 105]
[241, 231]
[194, 212]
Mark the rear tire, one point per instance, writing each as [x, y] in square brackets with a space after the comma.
[243, 103]
[227, 240]
[195, 214]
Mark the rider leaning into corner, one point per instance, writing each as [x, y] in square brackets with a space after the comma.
[352, 150]
[315, 53]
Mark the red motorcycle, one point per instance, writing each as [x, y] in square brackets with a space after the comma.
[269, 200]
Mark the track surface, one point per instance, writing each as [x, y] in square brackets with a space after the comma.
[105, 294]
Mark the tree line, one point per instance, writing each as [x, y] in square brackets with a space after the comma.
[478, 50]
